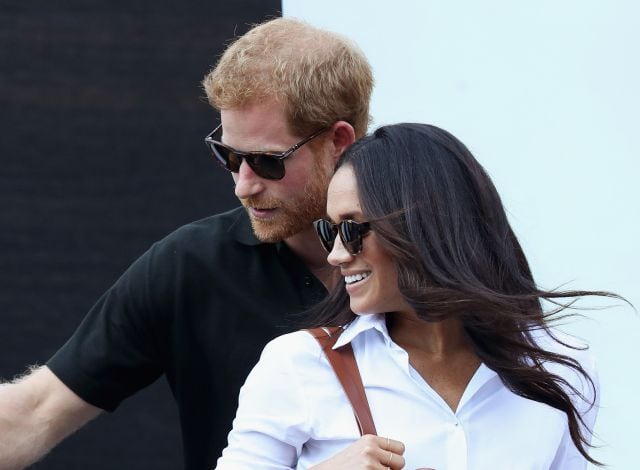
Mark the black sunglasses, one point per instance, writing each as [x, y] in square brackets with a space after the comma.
[268, 165]
[351, 234]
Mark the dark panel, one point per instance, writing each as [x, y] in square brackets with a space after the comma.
[101, 126]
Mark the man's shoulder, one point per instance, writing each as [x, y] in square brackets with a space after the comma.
[224, 225]
[206, 242]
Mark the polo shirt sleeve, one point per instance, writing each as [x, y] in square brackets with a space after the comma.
[117, 349]
[272, 421]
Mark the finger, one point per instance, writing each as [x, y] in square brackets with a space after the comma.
[390, 460]
[394, 446]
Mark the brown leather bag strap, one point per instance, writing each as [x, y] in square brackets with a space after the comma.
[346, 369]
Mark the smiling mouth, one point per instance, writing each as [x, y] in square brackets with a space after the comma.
[352, 279]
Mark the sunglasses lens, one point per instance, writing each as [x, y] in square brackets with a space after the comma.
[266, 167]
[263, 165]
[233, 161]
[350, 235]
[325, 233]
[228, 160]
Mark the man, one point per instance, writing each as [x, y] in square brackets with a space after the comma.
[201, 303]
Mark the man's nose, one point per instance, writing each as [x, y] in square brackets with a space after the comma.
[248, 184]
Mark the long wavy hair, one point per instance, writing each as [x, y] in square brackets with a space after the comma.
[436, 211]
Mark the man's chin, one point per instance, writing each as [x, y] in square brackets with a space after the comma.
[286, 221]
[272, 231]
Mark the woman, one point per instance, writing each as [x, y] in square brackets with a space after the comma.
[460, 367]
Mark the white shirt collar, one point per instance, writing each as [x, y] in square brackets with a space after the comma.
[366, 322]
[361, 324]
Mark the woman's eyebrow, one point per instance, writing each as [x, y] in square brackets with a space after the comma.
[346, 216]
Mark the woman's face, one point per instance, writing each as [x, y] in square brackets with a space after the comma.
[370, 276]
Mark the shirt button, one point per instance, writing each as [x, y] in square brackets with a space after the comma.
[307, 281]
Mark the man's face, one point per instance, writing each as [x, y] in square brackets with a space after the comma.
[278, 209]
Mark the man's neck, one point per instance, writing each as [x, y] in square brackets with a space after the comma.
[306, 246]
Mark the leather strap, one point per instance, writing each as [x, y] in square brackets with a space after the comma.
[346, 369]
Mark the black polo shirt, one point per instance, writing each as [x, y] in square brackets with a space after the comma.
[198, 306]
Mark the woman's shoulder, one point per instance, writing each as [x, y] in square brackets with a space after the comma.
[287, 361]
[292, 348]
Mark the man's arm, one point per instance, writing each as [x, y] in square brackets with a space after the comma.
[37, 411]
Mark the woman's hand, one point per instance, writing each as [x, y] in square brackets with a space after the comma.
[368, 452]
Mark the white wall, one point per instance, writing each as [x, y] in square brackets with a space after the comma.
[546, 95]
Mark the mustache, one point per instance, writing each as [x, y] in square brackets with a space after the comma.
[260, 202]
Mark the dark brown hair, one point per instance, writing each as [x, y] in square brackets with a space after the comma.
[436, 211]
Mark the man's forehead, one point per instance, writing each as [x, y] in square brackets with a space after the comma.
[260, 126]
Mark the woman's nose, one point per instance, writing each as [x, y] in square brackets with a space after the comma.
[339, 254]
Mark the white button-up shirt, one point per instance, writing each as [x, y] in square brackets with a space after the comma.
[293, 412]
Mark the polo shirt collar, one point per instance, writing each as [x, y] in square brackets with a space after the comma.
[242, 231]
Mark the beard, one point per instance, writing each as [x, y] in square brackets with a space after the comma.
[292, 216]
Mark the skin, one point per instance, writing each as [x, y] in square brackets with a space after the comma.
[36, 413]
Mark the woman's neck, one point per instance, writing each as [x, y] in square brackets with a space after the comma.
[438, 338]
[441, 352]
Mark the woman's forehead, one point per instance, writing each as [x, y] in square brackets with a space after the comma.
[343, 200]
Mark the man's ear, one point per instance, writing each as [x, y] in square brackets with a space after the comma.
[342, 136]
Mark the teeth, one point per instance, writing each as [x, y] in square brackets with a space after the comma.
[356, 277]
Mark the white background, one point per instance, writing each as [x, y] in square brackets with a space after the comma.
[545, 94]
